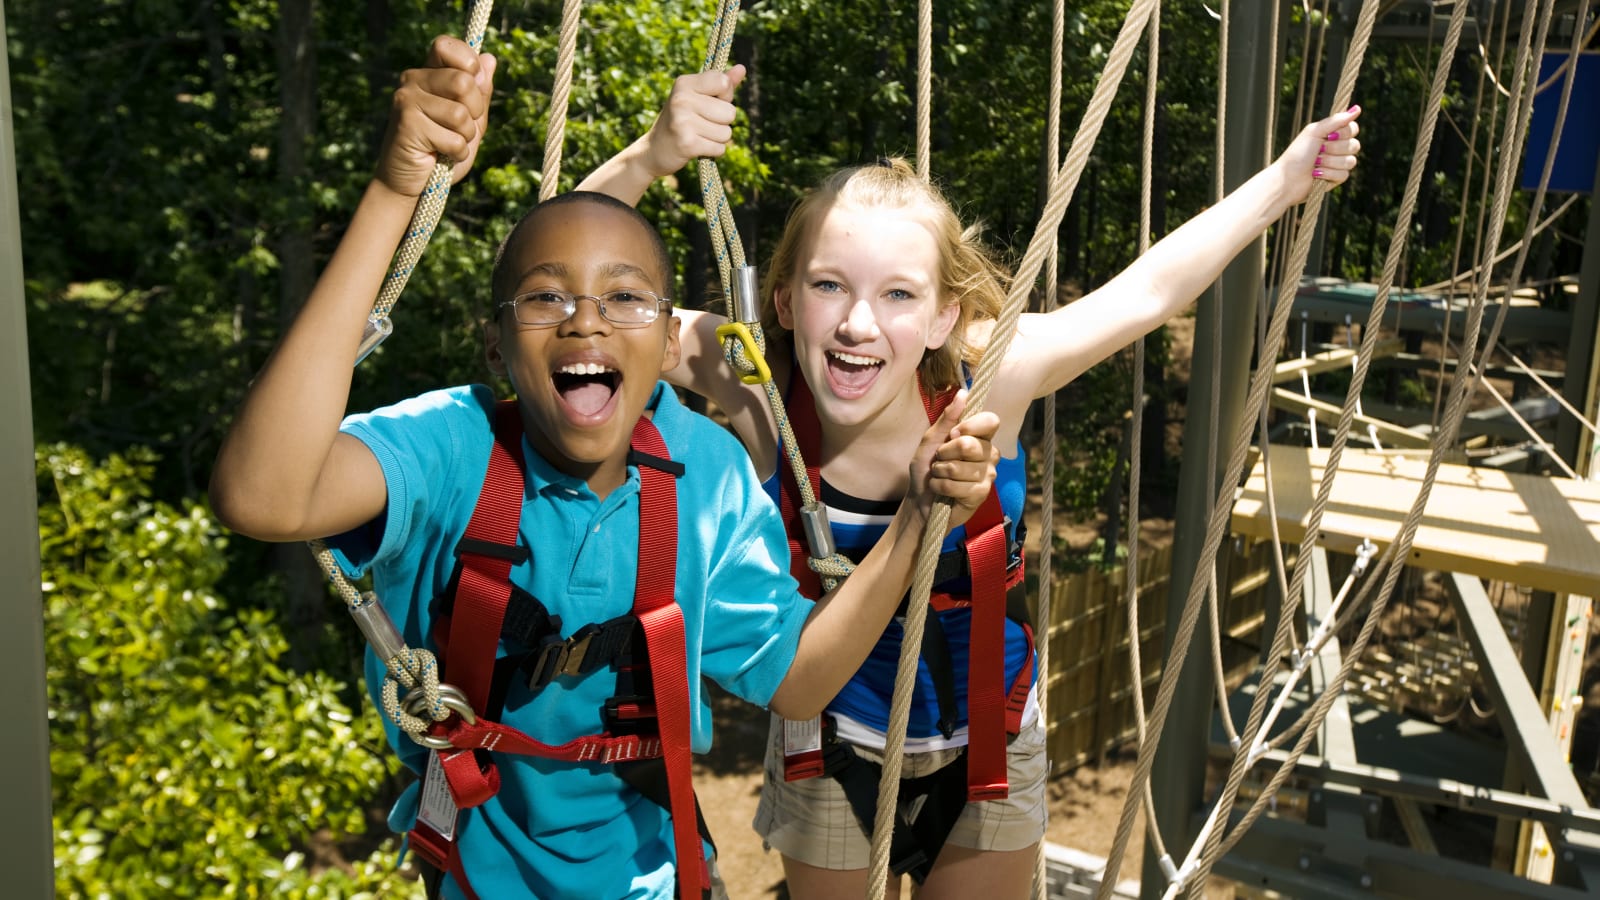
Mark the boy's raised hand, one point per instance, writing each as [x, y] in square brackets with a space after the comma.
[440, 111]
[956, 460]
[697, 121]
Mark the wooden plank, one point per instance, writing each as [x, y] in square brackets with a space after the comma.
[1337, 358]
[1538, 532]
[1328, 413]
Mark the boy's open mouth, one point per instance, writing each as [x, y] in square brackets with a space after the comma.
[586, 387]
[851, 374]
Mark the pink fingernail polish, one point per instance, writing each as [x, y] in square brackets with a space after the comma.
[1353, 108]
[1333, 135]
[1317, 162]
[1316, 173]
[1323, 148]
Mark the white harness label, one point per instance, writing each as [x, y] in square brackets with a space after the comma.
[438, 809]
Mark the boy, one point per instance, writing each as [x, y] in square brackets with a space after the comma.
[583, 332]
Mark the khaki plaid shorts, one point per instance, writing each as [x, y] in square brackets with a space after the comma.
[811, 821]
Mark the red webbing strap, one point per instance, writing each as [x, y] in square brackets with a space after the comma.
[1017, 700]
[441, 853]
[802, 408]
[599, 748]
[655, 605]
[467, 661]
[986, 656]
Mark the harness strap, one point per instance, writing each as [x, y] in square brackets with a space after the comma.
[986, 657]
[471, 637]
[655, 605]
[925, 814]
[808, 439]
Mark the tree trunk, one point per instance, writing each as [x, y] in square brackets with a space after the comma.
[305, 597]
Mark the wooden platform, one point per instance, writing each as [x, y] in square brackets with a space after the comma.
[1539, 532]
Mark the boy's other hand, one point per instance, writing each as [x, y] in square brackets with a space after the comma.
[697, 121]
[439, 111]
[956, 460]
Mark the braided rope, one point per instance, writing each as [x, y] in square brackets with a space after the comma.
[409, 668]
[1260, 385]
[1136, 440]
[560, 93]
[1047, 463]
[431, 203]
[925, 87]
[730, 254]
[1537, 202]
[1062, 187]
[1399, 550]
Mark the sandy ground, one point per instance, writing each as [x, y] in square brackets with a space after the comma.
[1084, 805]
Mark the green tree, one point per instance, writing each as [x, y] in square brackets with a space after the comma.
[186, 762]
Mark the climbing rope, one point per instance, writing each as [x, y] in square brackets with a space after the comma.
[924, 86]
[1063, 184]
[1047, 463]
[744, 343]
[415, 670]
[1399, 550]
[560, 93]
[1261, 383]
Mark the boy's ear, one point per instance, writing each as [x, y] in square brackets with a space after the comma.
[944, 320]
[780, 304]
[491, 347]
[674, 349]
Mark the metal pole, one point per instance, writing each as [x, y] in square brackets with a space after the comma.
[1573, 442]
[25, 844]
[1178, 777]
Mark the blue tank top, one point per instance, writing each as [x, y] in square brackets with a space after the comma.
[862, 705]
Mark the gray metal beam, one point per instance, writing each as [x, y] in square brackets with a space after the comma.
[1473, 798]
[1583, 347]
[1295, 860]
[1528, 735]
[25, 841]
[1177, 780]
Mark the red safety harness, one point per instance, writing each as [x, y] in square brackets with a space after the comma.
[993, 712]
[468, 639]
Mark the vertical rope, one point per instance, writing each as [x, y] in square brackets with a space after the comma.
[410, 668]
[924, 86]
[1063, 184]
[556, 130]
[1261, 383]
[1047, 463]
[1136, 441]
[1400, 549]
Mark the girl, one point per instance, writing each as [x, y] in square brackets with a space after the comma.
[876, 304]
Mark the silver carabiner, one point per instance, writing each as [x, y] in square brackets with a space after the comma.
[416, 703]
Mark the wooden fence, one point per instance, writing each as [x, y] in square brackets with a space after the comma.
[1090, 709]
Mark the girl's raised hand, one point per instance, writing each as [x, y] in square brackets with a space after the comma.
[439, 111]
[697, 121]
[1322, 151]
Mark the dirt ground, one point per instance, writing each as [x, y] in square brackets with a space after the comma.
[1084, 805]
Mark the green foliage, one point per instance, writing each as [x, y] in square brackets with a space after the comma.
[185, 761]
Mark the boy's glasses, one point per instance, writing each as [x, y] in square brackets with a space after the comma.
[625, 309]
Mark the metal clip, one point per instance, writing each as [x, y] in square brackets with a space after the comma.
[452, 698]
[378, 328]
[819, 534]
[746, 302]
[741, 332]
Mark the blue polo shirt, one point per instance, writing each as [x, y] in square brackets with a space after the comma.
[560, 829]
